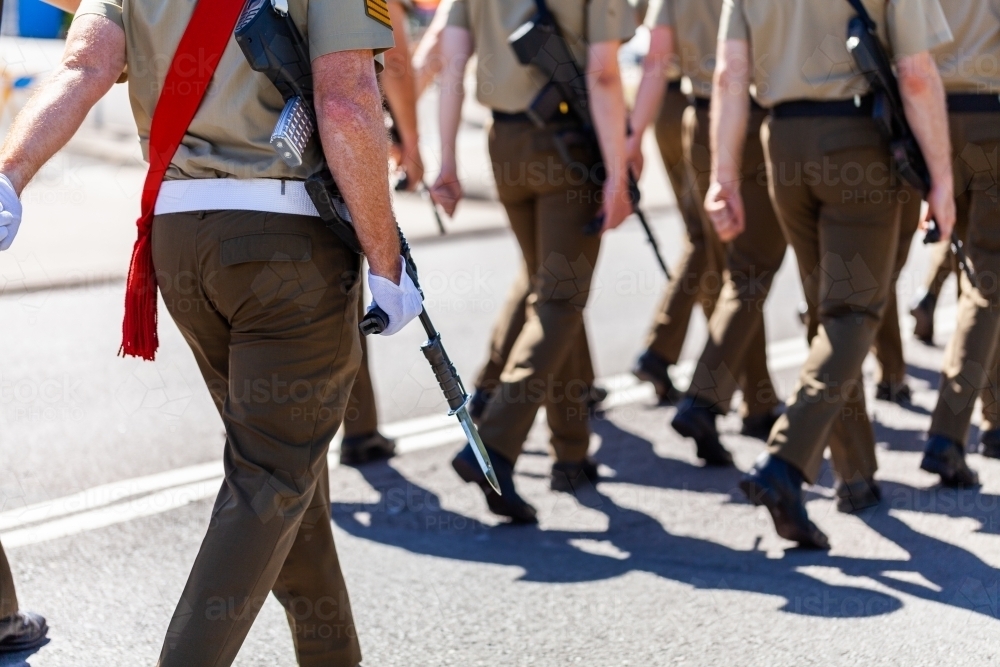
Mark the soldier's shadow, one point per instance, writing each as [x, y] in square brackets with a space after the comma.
[20, 658]
[410, 516]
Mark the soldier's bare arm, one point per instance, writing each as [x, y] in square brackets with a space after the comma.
[66, 5]
[92, 61]
[352, 129]
[924, 101]
[400, 92]
[729, 117]
[607, 102]
[456, 48]
[655, 70]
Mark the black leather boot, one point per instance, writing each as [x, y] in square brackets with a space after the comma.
[694, 420]
[23, 631]
[572, 477]
[361, 449]
[509, 504]
[923, 313]
[652, 368]
[943, 456]
[989, 444]
[859, 495]
[777, 485]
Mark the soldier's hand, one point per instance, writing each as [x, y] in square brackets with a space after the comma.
[633, 155]
[617, 202]
[10, 213]
[941, 209]
[401, 303]
[413, 165]
[724, 206]
[447, 192]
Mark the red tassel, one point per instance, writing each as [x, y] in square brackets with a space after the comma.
[139, 337]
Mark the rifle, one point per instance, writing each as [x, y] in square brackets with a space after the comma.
[540, 43]
[888, 112]
[273, 45]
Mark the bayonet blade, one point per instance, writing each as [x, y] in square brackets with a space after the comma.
[472, 433]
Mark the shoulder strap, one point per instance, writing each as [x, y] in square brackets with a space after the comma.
[204, 41]
[863, 13]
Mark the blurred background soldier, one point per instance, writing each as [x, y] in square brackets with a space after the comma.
[19, 630]
[844, 229]
[697, 277]
[970, 361]
[888, 348]
[362, 441]
[549, 204]
[736, 349]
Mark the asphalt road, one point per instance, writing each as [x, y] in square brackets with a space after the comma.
[109, 467]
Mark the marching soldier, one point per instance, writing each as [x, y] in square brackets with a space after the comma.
[970, 362]
[550, 204]
[19, 630]
[832, 185]
[737, 344]
[697, 277]
[265, 294]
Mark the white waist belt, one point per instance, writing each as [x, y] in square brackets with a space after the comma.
[269, 195]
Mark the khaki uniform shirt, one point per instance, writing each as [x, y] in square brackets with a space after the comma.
[971, 64]
[230, 135]
[503, 83]
[799, 47]
[696, 34]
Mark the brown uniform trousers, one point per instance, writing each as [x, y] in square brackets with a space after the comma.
[970, 362]
[548, 205]
[268, 304]
[736, 350]
[697, 277]
[508, 327]
[889, 342]
[8, 597]
[361, 416]
[832, 187]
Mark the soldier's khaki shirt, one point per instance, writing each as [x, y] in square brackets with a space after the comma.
[971, 64]
[696, 34]
[798, 48]
[503, 83]
[230, 135]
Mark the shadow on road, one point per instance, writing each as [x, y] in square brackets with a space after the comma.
[410, 516]
[20, 659]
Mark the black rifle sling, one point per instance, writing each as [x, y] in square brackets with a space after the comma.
[863, 13]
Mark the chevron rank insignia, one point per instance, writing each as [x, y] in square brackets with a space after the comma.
[379, 11]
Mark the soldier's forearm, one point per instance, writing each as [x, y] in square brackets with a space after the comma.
[352, 130]
[656, 67]
[607, 100]
[456, 47]
[924, 102]
[730, 110]
[92, 61]
[397, 79]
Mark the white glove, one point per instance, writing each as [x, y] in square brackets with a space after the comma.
[10, 213]
[402, 302]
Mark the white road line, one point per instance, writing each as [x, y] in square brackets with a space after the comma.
[124, 501]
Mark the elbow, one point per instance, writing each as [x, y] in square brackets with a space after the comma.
[918, 76]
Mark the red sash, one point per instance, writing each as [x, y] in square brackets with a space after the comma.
[197, 57]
